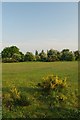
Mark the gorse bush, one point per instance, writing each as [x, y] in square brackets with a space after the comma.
[58, 91]
[53, 97]
[52, 82]
[15, 98]
[15, 93]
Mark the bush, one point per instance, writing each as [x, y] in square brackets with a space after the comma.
[9, 60]
[58, 92]
[15, 98]
[53, 83]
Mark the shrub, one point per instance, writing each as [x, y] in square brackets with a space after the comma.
[9, 60]
[19, 98]
[7, 101]
[53, 83]
[58, 92]
[15, 98]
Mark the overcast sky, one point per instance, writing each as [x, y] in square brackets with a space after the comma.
[32, 26]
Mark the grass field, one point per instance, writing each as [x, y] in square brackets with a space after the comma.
[26, 76]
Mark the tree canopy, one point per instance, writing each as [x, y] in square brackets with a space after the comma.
[13, 54]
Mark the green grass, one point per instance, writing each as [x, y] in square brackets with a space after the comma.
[23, 74]
[27, 75]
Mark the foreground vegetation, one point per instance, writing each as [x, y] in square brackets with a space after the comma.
[23, 96]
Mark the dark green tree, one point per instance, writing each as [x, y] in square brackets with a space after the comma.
[13, 50]
[37, 57]
[29, 57]
[36, 52]
[11, 54]
[77, 55]
[43, 56]
[58, 56]
[67, 55]
[52, 55]
[22, 57]
[6, 52]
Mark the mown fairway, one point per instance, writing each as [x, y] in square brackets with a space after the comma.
[27, 75]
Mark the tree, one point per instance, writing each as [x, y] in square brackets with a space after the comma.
[22, 57]
[36, 52]
[6, 53]
[29, 57]
[37, 57]
[58, 56]
[52, 55]
[13, 50]
[11, 54]
[43, 56]
[16, 57]
[67, 55]
[77, 55]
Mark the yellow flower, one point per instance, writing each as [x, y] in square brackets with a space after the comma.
[57, 81]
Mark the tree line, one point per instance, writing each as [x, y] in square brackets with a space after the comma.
[13, 54]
